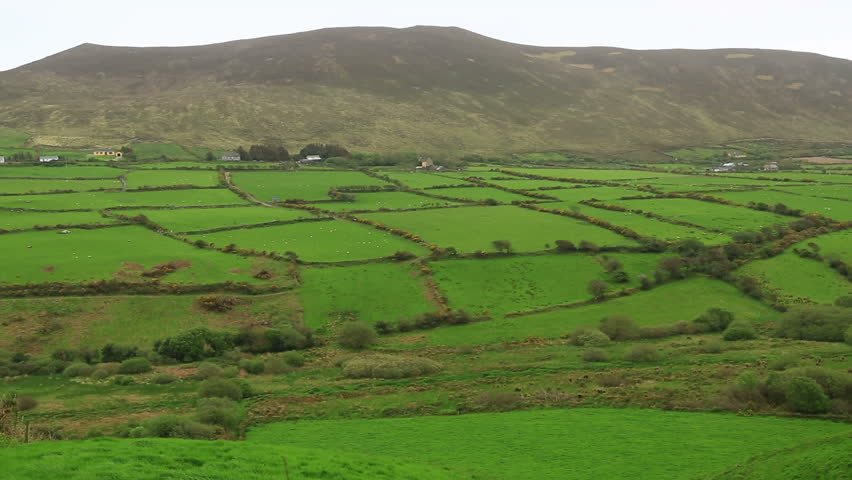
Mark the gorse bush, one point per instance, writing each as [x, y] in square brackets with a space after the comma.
[739, 330]
[619, 327]
[643, 354]
[164, 378]
[172, 426]
[356, 335]
[135, 365]
[715, 319]
[388, 366]
[784, 362]
[595, 355]
[78, 370]
[207, 370]
[589, 337]
[806, 396]
[221, 388]
[822, 323]
[196, 344]
[223, 412]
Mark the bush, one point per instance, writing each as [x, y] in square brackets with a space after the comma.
[619, 327]
[253, 366]
[806, 396]
[218, 411]
[383, 327]
[739, 330]
[207, 370]
[715, 319]
[747, 389]
[123, 380]
[822, 323]
[847, 337]
[276, 366]
[597, 288]
[835, 384]
[784, 362]
[218, 303]
[844, 301]
[356, 335]
[584, 337]
[117, 353]
[164, 379]
[711, 346]
[221, 388]
[643, 354]
[196, 344]
[595, 355]
[78, 370]
[25, 403]
[498, 400]
[388, 366]
[172, 426]
[135, 365]
[294, 359]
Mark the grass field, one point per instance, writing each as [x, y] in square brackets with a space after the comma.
[479, 194]
[21, 220]
[301, 185]
[424, 180]
[650, 227]
[155, 459]
[159, 178]
[819, 190]
[590, 174]
[332, 241]
[474, 228]
[812, 281]
[834, 244]
[558, 444]
[120, 253]
[574, 195]
[836, 209]
[520, 183]
[93, 200]
[386, 200]
[372, 293]
[192, 219]
[178, 165]
[12, 138]
[47, 185]
[798, 176]
[60, 172]
[711, 215]
[680, 301]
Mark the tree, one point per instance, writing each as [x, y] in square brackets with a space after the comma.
[751, 286]
[590, 247]
[209, 157]
[243, 153]
[565, 246]
[356, 335]
[673, 266]
[504, 246]
[806, 396]
[598, 288]
[619, 327]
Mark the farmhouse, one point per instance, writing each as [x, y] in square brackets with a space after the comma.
[770, 167]
[310, 159]
[107, 153]
[737, 154]
[231, 157]
[729, 167]
[2, 159]
[47, 158]
[428, 164]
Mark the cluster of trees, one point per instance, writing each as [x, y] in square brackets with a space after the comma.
[325, 150]
[201, 343]
[264, 153]
[426, 321]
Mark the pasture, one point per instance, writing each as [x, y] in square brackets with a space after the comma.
[195, 219]
[156, 151]
[331, 241]
[121, 253]
[576, 194]
[366, 292]
[649, 227]
[474, 228]
[811, 282]
[836, 209]
[96, 200]
[24, 220]
[480, 194]
[44, 171]
[819, 190]
[627, 176]
[424, 180]
[546, 444]
[387, 201]
[165, 178]
[300, 185]
[8, 186]
[837, 244]
[727, 218]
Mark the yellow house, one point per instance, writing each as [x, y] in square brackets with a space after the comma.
[107, 153]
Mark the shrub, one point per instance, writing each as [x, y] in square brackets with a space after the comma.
[78, 370]
[402, 255]
[388, 366]
[117, 353]
[584, 337]
[294, 359]
[218, 411]
[222, 388]
[619, 327]
[715, 319]
[598, 288]
[497, 400]
[207, 370]
[822, 323]
[383, 327]
[196, 344]
[835, 384]
[595, 355]
[25, 402]
[784, 362]
[643, 354]
[252, 365]
[739, 330]
[172, 426]
[844, 301]
[356, 335]
[123, 380]
[565, 246]
[711, 346]
[164, 378]
[276, 366]
[806, 396]
[746, 388]
[218, 303]
[135, 365]
[847, 337]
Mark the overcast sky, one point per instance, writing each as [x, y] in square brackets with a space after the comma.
[34, 29]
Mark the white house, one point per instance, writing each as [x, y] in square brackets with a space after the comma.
[231, 157]
[2, 159]
[310, 159]
[47, 158]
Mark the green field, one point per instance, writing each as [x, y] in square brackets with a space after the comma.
[837, 244]
[41, 186]
[559, 444]
[575, 195]
[92, 200]
[680, 301]
[373, 292]
[301, 185]
[332, 241]
[386, 201]
[837, 209]
[480, 194]
[589, 174]
[796, 280]
[520, 183]
[474, 228]
[799, 176]
[22, 220]
[12, 138]
[178, 165]
[154, 459]
[160, 178]
[648, 226]
[711, 215]
[121, 253]
[819, 190]
[195, 219]
[60, 172]
[424, 180]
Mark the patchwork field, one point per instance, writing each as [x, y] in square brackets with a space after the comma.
[40, 186]
[576, 194]
[387, 201]
[331, 241]
[164, 178]
[424, 180]
[727, 218]
[837, 244]
[474, 228]
[196, 219]
[60, 172]
[24, 220]
[648, 226]
[629, 176]
[813, 281]
[301, 185]
[480, 194]
[836, 209]
[95, 200]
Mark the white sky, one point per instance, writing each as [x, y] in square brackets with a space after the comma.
[33, 29]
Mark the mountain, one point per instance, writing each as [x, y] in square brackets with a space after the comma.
[427, 89]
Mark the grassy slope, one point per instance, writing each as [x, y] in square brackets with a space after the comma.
[38, 186]
[370, 292]
[187, 220]
[836, 209]
[386, 200]
[92, 200]
[303, 185]
[573, 443]
[17, 220]
[813, 281]
[155, 459]
[711, 215]
[156, 178]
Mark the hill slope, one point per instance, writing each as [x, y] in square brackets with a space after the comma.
[425, 88]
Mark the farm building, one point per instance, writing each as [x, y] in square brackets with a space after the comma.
[107, 153]
[428, 164]
[737, 154]
[310, 159]
[2, 159]
[231, 157]
[729, 167]
[47, 158]
[771, 167]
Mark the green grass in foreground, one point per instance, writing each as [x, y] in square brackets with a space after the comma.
[575, 443]
[158, 459]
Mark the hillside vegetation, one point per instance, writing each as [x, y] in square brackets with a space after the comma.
[427, 88]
